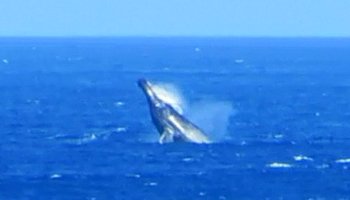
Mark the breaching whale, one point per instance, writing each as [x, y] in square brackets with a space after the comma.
[171, 125]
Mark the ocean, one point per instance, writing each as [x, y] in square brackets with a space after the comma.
[75, 125]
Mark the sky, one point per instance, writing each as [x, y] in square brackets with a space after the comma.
[251, 18]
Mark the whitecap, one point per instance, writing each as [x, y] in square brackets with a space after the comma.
[201, 193]
[134, 175]
[121, 129]
[278, 136]
[222, 197]
[188, 159]
[200, 173]
[55, 176]
[151, 184]
[238, 61]
[344, 160]
[37, 102]
[78, 58]
[119, 104]
[279, 165]
[86, 138]
[323, 166]
[5, 61]
[301, 158]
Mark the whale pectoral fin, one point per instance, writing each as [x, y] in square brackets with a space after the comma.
[166, 137]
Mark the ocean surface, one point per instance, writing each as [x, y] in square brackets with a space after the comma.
[75, 125]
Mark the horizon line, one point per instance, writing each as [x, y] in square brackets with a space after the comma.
[172, 36]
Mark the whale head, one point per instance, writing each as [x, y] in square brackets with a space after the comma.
[151, 96]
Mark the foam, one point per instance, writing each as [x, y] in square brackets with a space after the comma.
[188, 159]
[239, 61]
[55, 176]
[134, 175]
[119, 103]
[301, 158]
[121, 129]
[5, 61]
[152, 184]
[279, 165]
[344, 160]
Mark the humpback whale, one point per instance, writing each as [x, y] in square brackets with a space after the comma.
[171, 125]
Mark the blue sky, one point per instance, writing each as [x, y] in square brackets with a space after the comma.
[281, 18]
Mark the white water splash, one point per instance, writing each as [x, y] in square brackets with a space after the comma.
[211, 116]
[170, 94]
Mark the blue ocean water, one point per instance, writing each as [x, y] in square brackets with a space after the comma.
[74, 124]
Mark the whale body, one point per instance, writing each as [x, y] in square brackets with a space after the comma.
[171, 125]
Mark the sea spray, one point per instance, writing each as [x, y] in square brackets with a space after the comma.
[170, 94]
[210, 115]
[213, 117]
